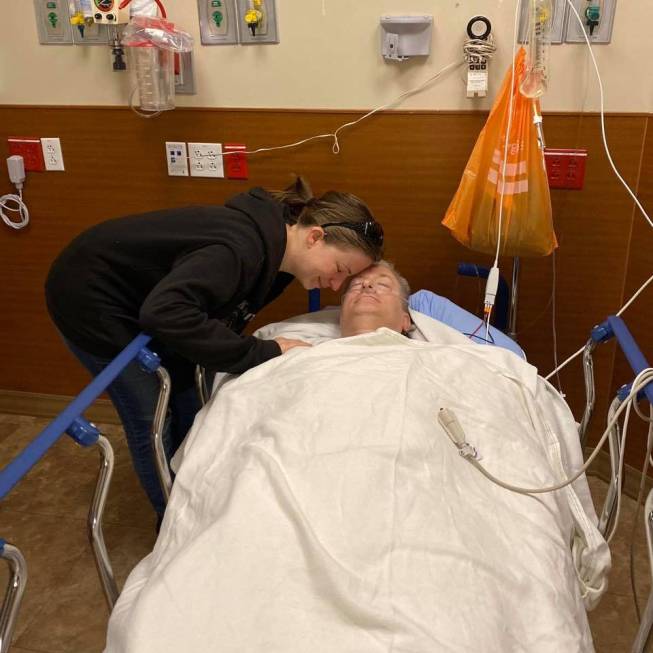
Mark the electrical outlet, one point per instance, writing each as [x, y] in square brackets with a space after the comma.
[235, 161]
[177, 159]
[205, 160]
[30, 149]
[565, 168]
[52, 153]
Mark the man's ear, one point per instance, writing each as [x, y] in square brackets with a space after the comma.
[405, 322]
[314, 235]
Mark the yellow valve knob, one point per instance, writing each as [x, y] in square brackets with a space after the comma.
[253, 17]
[77, 19]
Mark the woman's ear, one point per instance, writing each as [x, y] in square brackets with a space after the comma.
[314, 235]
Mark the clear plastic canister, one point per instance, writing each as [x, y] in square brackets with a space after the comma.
[155, 76]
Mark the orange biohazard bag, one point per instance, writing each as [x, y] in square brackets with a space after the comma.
[526, 223]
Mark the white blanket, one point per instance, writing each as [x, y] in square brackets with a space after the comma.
[320, 507]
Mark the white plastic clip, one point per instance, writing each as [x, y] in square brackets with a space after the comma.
[454, 430]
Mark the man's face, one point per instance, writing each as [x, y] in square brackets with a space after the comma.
[373, 300]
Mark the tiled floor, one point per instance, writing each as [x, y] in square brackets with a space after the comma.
[63, 608]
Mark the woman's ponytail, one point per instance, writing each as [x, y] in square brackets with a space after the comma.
[300, 207]
[296, 197]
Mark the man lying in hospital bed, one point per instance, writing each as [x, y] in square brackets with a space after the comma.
[320, 506]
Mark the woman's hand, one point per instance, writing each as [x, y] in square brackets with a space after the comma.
[287, 343]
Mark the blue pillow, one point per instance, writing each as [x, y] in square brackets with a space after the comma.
[444, 310]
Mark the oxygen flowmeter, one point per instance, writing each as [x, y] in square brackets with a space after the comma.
[110, 12]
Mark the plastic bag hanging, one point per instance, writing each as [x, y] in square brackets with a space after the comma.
[473, 215]
[152, 44]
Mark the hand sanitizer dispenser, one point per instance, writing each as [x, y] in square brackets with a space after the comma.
[403, 37]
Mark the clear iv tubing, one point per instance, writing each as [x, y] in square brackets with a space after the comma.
[536, 76]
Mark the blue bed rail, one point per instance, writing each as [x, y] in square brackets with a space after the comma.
[12, 473]
[614, 326]
[71, 421]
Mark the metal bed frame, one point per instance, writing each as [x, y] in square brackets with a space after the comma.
[72, 422]
[615, 327]
[85, 433]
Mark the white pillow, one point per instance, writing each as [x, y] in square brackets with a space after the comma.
[312, 328]
[320, 326]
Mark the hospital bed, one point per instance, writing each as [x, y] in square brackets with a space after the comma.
[86, 434]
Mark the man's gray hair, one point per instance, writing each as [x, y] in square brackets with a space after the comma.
[404, 287]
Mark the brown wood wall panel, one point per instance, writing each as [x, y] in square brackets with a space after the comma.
[406, 166]
[639, 317]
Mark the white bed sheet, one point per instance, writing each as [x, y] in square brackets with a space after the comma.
[320, 507]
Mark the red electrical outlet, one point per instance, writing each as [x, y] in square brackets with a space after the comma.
[30, 149]
[235, 161]
[565, 168]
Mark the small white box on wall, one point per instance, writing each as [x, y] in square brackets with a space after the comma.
[403, 37]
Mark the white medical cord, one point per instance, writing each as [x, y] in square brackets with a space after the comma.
[21, 209]
[605, 140]
[492, 285]
[553, 320]
[620, 467]
[619, 312]
[507, 139]
[457, 435]
[614, 168]
[479, 48]
[336, 143]
[640, 494]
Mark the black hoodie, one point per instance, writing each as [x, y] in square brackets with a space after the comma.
[189, 277]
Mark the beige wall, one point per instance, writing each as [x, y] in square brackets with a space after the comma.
[329, 58]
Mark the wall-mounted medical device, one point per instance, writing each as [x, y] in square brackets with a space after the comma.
[257, 21]
[597, 17]
[110, 12]
[403, 37]
[153, 44]
[535, 80]
[479, 47]
[228, 22]
[53, 22]
[557, 21]
[218, 22]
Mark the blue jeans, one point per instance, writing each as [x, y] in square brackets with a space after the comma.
[134, 394]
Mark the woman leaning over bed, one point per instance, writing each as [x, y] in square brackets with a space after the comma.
[192, 278]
